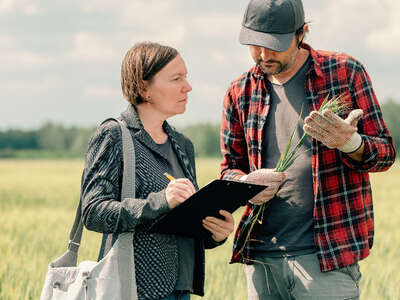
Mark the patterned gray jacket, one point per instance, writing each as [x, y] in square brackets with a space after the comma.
[156, 255]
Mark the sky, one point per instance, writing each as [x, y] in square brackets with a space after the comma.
[60, 59]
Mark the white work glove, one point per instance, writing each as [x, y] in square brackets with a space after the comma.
[264, 177]
[333, 131]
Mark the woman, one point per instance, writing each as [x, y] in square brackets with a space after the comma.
[153, 80]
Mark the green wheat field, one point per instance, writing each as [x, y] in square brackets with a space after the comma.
[38, 199]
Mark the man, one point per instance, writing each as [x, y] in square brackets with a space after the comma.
[319, 220]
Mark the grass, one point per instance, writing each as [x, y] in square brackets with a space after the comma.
[37, 206]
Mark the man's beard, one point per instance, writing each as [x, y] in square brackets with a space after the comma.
[278, 67]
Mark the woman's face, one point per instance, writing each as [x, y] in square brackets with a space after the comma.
[167, 92]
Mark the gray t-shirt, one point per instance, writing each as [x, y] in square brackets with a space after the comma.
[186, 249]
[287, 227]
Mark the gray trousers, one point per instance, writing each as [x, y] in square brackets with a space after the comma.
[300, 278]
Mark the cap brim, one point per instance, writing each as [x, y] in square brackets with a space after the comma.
[273, 41]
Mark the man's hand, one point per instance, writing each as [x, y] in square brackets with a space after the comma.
[333, 131]
[265, 177]
[220, 229]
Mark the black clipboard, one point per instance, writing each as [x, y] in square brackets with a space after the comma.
[186, 219]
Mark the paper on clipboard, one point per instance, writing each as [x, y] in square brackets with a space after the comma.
[186, 219]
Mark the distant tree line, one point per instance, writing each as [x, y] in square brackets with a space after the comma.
[50, 140]
[55, 140]
[205, 138]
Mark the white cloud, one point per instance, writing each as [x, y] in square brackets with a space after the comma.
[154, 14]
[6, 41]
[11, 56]
[140, 20]
[220, 57]
[27, 7]
[6, 6]
[74, 39]
[92, 47]
[27, 59]
[151, 13]
[28, 89]
[98, 5]
[31, 9]
[342, 25]
[241, 56]
[174, 36]
[103, 92]
[217, 25]
[386, 40]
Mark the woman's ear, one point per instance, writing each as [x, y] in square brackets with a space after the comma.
[144, 91]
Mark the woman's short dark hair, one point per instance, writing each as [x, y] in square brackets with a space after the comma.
[142, 62]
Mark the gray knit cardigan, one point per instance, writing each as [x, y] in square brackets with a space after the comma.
[156, 255]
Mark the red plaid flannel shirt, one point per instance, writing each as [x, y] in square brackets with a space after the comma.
[343, 212]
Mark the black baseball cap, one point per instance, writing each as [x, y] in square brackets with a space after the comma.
[271, 23]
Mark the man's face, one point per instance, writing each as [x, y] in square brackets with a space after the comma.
[274, 62]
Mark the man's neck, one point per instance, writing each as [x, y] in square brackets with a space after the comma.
[282, 78]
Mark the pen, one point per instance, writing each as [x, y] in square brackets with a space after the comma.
[169, 176]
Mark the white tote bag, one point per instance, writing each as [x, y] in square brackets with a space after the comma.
[113, 277]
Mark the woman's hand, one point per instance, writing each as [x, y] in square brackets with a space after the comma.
[220, 229]
[178, 190]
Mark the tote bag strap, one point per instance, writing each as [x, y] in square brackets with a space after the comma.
[128, 178]
[127, 191]
[126, 261]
